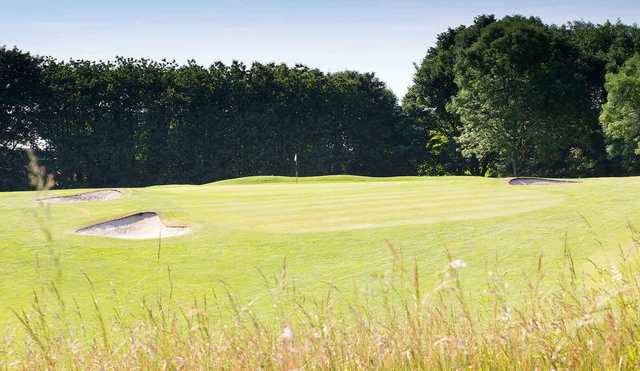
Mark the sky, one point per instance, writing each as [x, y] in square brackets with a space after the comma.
[385, 37]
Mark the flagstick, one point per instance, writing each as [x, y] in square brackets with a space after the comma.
[295, 158]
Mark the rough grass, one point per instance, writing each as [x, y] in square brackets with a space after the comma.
[583, 322]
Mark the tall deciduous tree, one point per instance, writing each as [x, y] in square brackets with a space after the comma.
[621, 114]
[522, 97]
[433, 89]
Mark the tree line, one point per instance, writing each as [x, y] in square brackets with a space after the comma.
[506, 96]
[137, 122]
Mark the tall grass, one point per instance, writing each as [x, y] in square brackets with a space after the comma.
[578, 322]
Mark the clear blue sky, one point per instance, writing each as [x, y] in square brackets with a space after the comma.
[385, 37]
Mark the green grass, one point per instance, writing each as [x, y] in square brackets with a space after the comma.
[332, 230]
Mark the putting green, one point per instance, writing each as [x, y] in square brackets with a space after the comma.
[330, 207]
[330, 229]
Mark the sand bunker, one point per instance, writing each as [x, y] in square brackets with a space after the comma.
[138, 226]
[105, 195]
[533, 181]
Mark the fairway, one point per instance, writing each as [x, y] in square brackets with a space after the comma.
[331, 230]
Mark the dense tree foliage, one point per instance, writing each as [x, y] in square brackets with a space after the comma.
[427, 99]
[135, 122]
[500, 96]
[21, 90]
[523, 98]
[518, 96]
[604, 48]
[621, 114]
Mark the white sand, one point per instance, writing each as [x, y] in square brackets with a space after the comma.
[104, 195]
[536, 181]
[140, 226]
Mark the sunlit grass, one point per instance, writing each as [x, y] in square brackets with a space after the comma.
[581, 322]
[331, 230]
[335, 273]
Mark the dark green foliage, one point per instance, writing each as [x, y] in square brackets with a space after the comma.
[427, 99]
[621, 115]
[516, 95]
[605, 49]
[138, 122]
[21, 91]
[523, 98]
